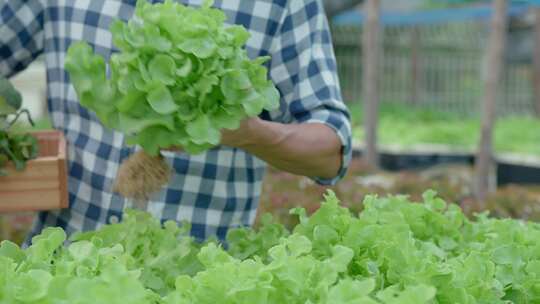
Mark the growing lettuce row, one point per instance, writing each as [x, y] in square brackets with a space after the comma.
[394, 251]
[408, 127]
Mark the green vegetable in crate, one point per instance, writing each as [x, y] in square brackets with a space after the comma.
[10, 98]
[180, 77]
[17, 148]
[10, 104]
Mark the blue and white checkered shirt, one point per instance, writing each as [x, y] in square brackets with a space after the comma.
[213, 191]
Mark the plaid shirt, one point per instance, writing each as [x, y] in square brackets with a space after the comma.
[213, 191]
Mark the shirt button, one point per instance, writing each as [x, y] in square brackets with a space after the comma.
[113, 219]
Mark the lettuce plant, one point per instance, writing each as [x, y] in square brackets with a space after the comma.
[180, 77]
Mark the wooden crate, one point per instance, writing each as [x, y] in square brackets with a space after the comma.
[43, 184]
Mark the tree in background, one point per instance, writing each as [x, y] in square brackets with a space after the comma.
[370, 78]
[492, 75]
[536, 59]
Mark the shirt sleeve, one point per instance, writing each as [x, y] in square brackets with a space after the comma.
[303, 67]
[21, 34]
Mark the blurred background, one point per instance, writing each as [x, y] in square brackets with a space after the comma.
[430, 84]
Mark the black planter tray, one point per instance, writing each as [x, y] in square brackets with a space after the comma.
[511, 168]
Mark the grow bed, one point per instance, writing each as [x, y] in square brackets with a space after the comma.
[415, 138]
[511, 168]
[409, 127]
[393, 252]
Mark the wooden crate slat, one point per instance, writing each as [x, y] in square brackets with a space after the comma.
[33, 171]
[32, 200]
[43, 183]
[35, 184]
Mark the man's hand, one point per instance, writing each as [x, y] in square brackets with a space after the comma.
[310, 149]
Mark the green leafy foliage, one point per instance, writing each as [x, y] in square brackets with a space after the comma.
[10, 98]
[407, 126]
[17, 148]
[14, 147]
[394, 252]
[180, 77]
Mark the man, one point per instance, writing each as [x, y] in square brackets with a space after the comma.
[309, 135]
